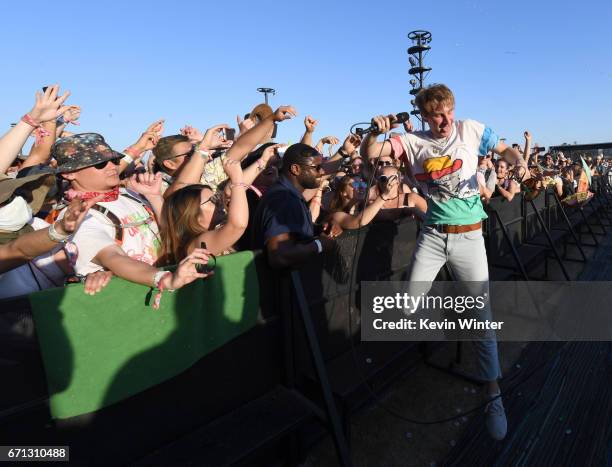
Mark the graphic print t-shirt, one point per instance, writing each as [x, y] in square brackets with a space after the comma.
[446, 171]
[140, 234]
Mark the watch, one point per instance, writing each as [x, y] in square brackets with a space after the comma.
[55, 236]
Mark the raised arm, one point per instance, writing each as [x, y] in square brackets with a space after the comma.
[330, 140]
[193, 168]
[253, 170]
[245, 144]
[237, 215]
[41, 151]
[370, 147]
[309, 124]
[348, 221]
[527, 148]
[513, 157]
[148, 140]
[48, 106]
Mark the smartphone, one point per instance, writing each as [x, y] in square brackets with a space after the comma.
[205, 268]
[230, 134]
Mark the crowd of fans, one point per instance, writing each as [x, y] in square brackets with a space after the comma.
[75, 209]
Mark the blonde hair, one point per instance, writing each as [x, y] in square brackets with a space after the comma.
[430, 98]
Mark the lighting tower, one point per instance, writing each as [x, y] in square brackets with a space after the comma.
[416, 54]
[267, 91]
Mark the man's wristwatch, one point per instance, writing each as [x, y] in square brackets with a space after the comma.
[342, 152]
[55, 236]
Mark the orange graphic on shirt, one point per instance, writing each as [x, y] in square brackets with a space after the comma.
[438, 167]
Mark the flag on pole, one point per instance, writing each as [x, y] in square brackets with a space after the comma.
[585, 178]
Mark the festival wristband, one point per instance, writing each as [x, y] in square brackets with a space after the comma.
[127, 159]
[40, 131]
[157, 281]
[319, 246]
[134, 153]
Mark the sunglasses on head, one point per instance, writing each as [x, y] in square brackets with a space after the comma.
[101, 165]
[213, 199]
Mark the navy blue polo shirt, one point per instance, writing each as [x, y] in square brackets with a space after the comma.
[282, 209]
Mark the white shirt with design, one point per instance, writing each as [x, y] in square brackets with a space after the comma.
[140, 233]
[446, 170]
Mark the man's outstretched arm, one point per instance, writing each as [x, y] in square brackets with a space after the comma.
[373, 149]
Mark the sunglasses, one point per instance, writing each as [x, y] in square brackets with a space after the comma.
[213, 199]
[385, 163]
[317, 168]
[101, 165]
[187, 154]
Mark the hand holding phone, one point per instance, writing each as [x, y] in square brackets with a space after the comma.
[209, 267]
[229, 134]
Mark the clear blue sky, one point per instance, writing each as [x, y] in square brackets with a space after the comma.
[545, 66]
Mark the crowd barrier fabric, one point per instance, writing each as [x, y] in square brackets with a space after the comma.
[100, 350]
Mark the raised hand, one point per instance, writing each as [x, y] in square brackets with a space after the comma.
[233, 170]
[284, 112]
[215, 139]
[147, 184]
[269, 152]
[351, 143]
[150, 137]
[194, 135]
[72, 114]
[392, 183]
[310, 124]
[244, 125]
[383, 123]
[527, 135]
[48, 106]
[329, 140]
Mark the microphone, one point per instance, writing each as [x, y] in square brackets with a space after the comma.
[399, 118]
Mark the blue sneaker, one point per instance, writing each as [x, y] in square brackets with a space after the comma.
[496, 422]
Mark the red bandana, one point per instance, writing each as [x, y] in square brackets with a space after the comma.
[85, 195]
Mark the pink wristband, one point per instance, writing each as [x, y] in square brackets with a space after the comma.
[248, 187]
[38, 129]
